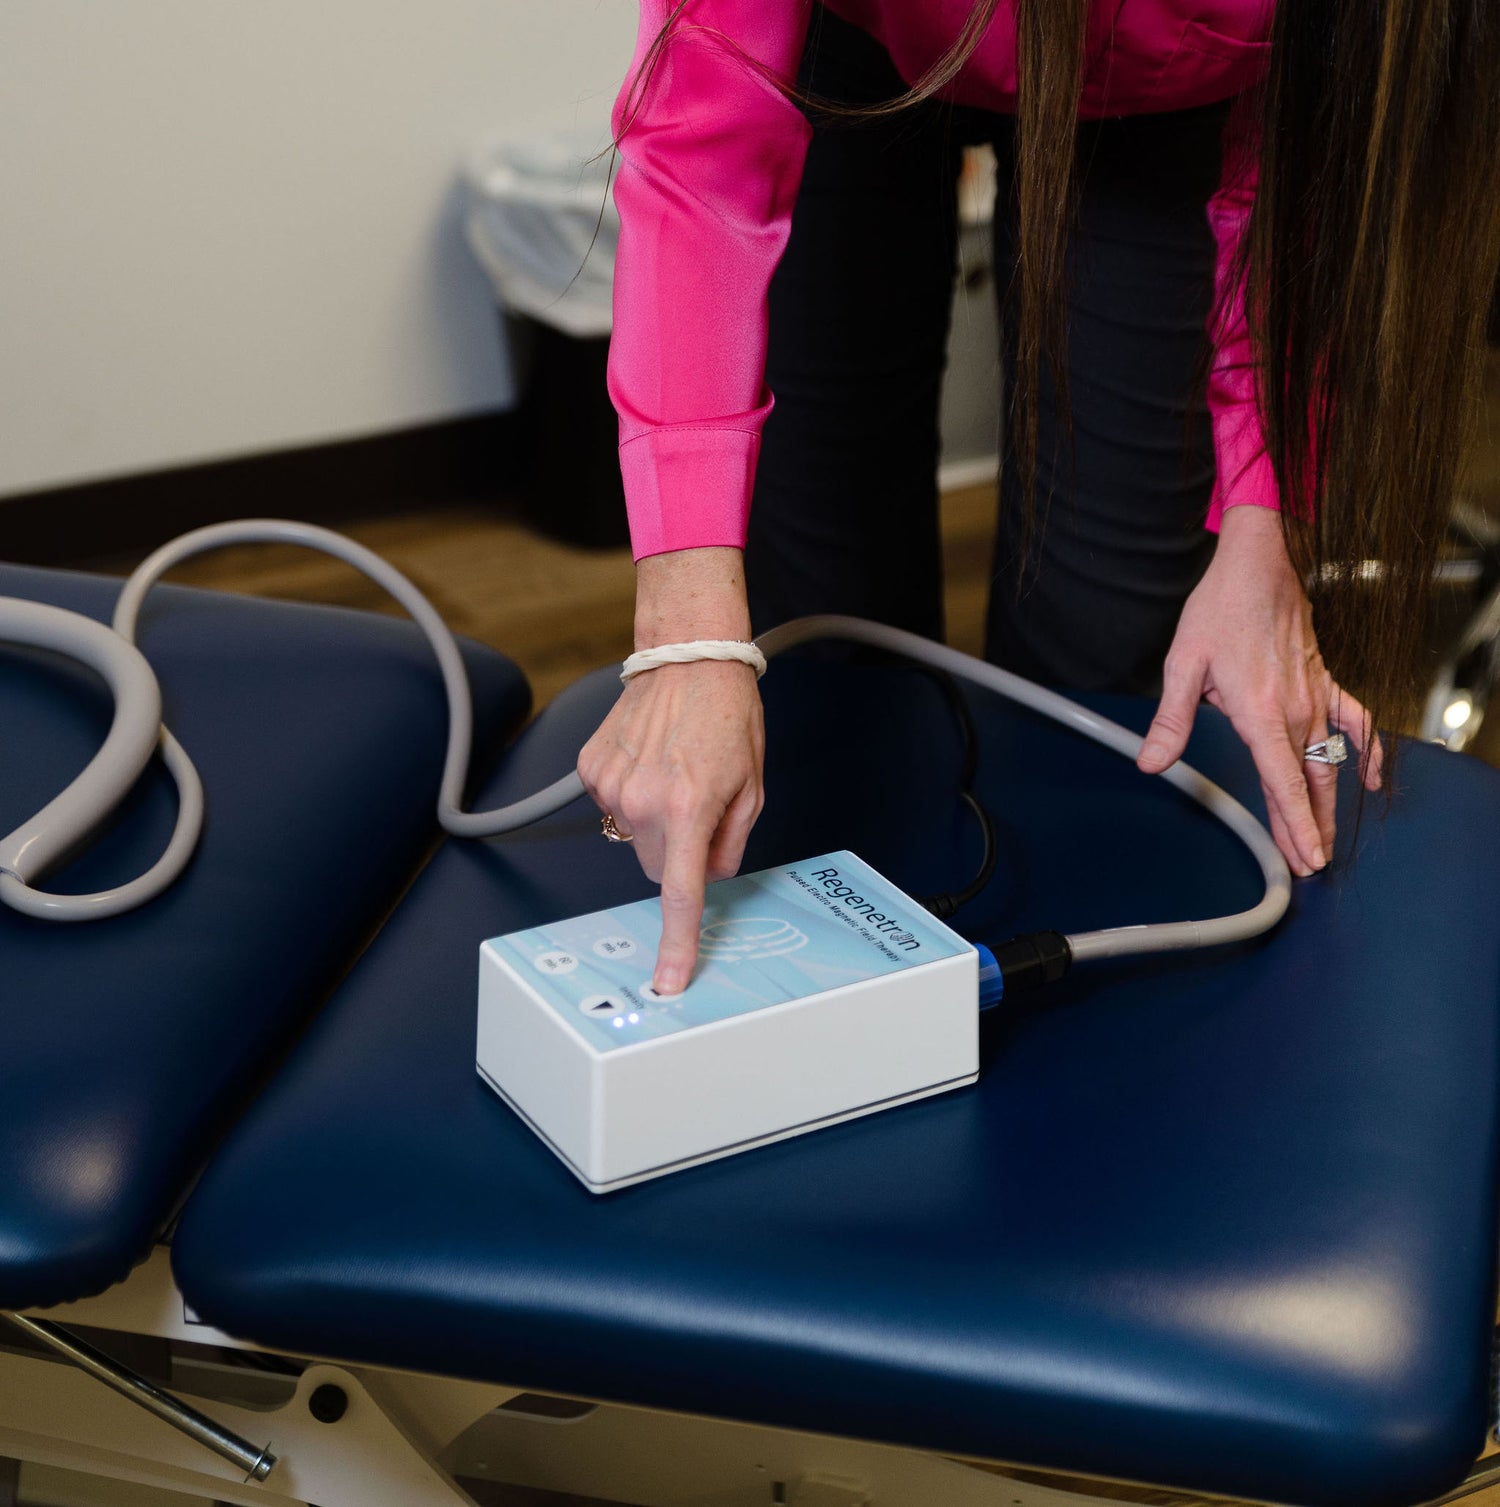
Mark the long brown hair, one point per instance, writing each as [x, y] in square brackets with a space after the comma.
[1369, 264]
[1367, 269]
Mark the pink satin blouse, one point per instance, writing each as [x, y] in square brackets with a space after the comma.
[710, 163]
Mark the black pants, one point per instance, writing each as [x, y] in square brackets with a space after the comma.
[845, 514]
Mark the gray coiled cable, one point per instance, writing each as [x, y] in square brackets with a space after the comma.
[137, 731]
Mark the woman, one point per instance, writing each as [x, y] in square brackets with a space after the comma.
[1318, 195]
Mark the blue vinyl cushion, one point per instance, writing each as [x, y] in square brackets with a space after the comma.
[1219, 1221]
[126, 1045]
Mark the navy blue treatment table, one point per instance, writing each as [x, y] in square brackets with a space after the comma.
[127, 1045]
[1223, 1221]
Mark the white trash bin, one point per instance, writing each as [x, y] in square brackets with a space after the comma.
[542, 224]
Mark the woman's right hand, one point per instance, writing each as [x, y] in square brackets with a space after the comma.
[678, 761]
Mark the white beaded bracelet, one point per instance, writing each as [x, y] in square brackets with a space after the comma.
[699, 648]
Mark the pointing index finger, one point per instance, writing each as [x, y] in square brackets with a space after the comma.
[683, 876]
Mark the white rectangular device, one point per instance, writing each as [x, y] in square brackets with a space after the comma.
[822, 992]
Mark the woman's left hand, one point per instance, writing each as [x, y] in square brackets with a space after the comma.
[1245, 643]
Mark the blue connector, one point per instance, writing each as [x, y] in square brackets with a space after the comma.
[1023, 963]
[991, 980]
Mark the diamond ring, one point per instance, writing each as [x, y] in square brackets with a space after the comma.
[1333, 749]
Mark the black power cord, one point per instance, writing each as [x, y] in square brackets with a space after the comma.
[945, 904]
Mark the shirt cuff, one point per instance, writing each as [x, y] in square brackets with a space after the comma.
[1244, 475]
[688, 488]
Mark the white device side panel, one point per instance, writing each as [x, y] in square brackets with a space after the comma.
[755, 1075]
[543, 1068]
[808, 1126]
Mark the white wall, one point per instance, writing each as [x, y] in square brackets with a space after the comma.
[231, 227]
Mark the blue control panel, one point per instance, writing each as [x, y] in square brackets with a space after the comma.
[767, 938]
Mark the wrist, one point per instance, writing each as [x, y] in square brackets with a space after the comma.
[1245, 523]
[1250, 536]
[1250, 517]
[691, 594]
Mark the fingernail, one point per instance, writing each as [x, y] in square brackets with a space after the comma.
[670, 981]
[1320, 859]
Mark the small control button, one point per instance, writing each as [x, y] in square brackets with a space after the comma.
[554, 964]
[615, 947]
[600, 1005]
[649, 992]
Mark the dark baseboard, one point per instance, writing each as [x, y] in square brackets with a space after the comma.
[482, 459]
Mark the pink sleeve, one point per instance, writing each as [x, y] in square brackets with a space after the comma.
[1244, 471]
[711, 157]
